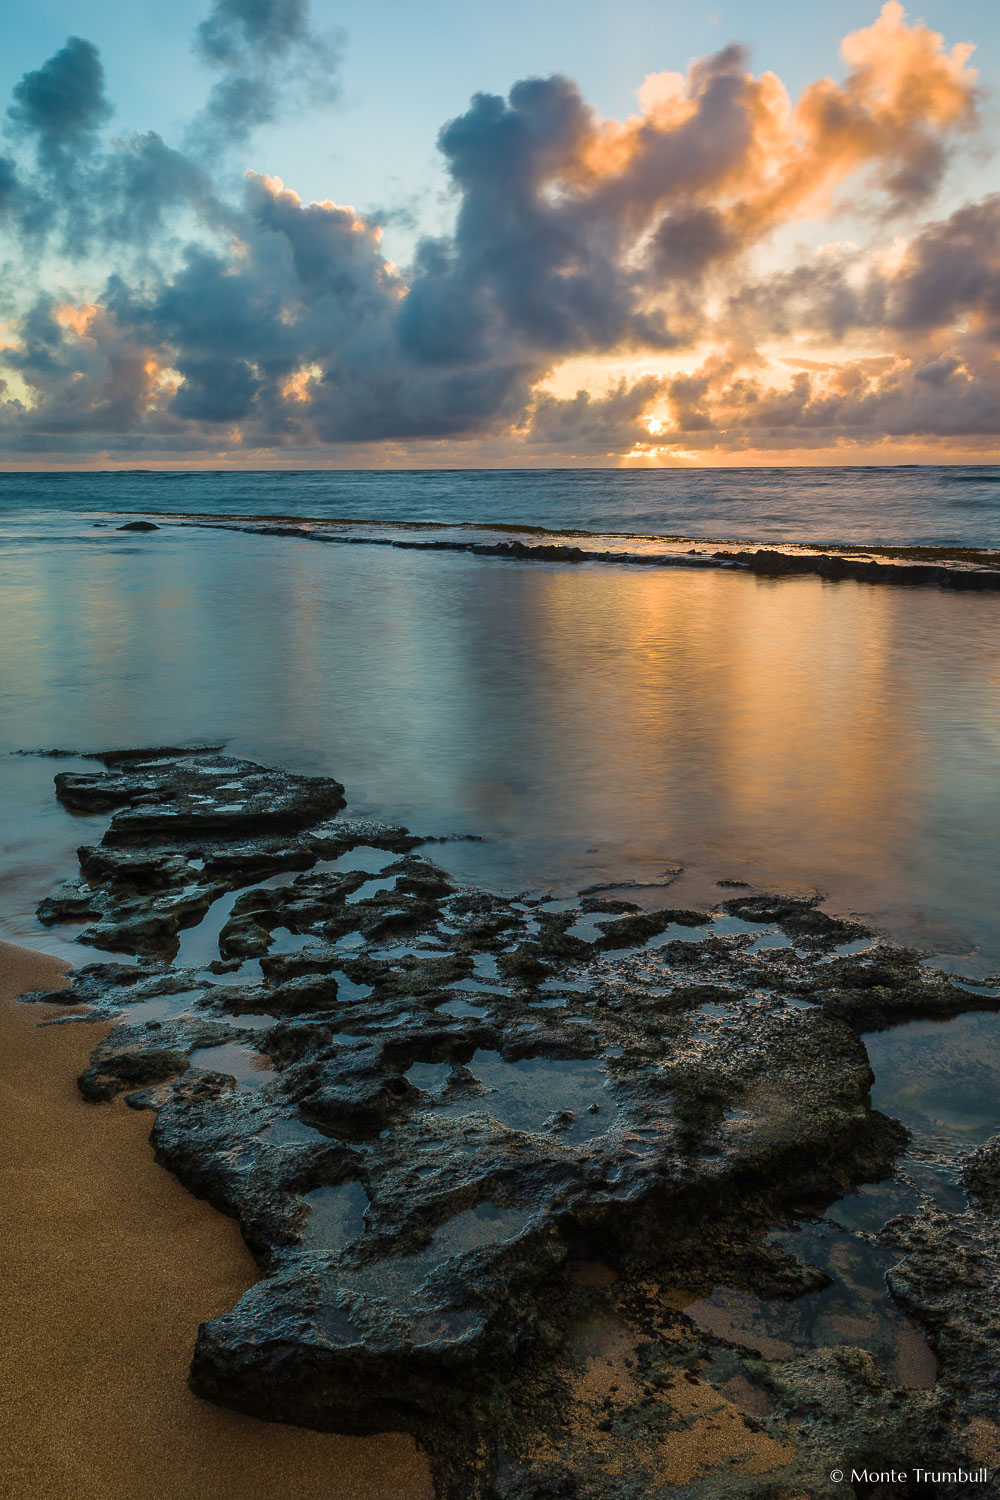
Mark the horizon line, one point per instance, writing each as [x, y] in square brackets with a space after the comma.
[173, 470]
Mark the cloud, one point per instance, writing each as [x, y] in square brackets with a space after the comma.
[946, 279]
[97, 376]
[267, 54]
[8, 186]
[61, 107]
[264, 322]
[854, 402]
[952, 272]
[608, 424]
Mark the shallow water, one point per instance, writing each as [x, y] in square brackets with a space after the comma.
[461, 1009]
[161, 1007]
[336, 1216]
[565, 1095]
[199, 944]
[250, 1069]
[942, 1078]
[593, 723]
[347, 989]
[853, 1310]
[291, 1132]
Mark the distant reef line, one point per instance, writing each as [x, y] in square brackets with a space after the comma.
[963, 568]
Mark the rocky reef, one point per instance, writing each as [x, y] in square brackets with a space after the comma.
[522, 1175]
[964, 568]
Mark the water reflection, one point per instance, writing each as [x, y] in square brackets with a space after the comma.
[593, 721]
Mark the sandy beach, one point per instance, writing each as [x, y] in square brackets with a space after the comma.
[109, 1267]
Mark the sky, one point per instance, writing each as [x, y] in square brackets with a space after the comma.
[268, 233]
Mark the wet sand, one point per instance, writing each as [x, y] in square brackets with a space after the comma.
[109, 1265]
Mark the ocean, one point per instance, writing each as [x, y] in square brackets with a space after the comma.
[927, 506]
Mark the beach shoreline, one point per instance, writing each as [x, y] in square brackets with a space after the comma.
[110, 1265]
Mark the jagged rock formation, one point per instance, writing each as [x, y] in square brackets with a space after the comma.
[483, 1147]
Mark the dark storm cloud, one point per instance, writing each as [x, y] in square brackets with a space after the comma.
[140, 185]
[61, 107]
[574, 234]
[297, 333]
[544, 249]
[823, 297]
[953, 272]
[268, 55]
[688, 242]
[520, 269]
[119, 202]
[937, 306]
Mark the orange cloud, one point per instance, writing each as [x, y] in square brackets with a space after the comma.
[773, 159]
[78, 319]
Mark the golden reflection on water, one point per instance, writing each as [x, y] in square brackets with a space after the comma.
[732, 704]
